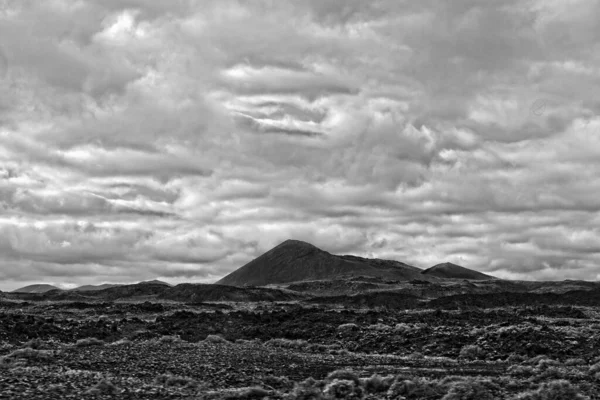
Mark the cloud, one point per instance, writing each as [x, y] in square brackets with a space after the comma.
[182, 139]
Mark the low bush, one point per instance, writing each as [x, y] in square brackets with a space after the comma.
[169, 339]
[173, 380]
[216, 339]
[306, 390]
[377, 383]
[546, 363]
[89, 342]
[121, 342]
[246, 393]
[104, 387]
[379, 327]
[594, 369]
[348, 327]
[554, 390]
[287, 343]
[343, 374]
[278, 382]
[343, 389]
[470, 389]
[471, 352]
[417, 388]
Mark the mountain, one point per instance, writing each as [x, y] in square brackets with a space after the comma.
[86, 288]
[294, 260]
[452, 271]
[41, 288]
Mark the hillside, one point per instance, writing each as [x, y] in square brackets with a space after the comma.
[195, 293]
[294, 260]
[41, 288]
[453, 271]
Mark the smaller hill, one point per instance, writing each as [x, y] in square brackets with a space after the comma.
[41, 288]
[452, 271]
[86, 288]
[154, 281]
[199, 292]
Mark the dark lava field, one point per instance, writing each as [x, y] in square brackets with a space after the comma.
[133, 343]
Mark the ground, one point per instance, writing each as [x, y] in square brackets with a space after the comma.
[143, 350]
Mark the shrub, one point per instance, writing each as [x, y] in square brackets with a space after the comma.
[104, 387]
[546, 363]
[343, 374]
[402, 327]
[418, 388]
[469, 390]
[216, 339]
[347, 327]
[555, 390]
[377, 383]
[595, 368]
[121, 342]
[343, 389]
[574, 361]
[550, 373]
[278, 382]
[379, 327]
[169, 339]
[89, 342]
[318, 348]
[305, 391]
[471, 352]
[247, 393]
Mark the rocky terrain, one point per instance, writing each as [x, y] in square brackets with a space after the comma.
[340, 327]
[273, 349]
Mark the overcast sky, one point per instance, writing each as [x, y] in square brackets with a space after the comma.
[181, 139]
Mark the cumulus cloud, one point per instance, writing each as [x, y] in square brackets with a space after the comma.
[182, 139]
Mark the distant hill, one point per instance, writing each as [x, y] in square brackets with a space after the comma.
[453, 271]
[86, 288]
[41, 288]
[294, 260]
[155, 281]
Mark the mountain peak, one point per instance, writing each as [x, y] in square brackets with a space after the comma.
[296, 243]
[454, 271]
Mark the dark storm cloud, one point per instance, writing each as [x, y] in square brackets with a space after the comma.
[152, 139]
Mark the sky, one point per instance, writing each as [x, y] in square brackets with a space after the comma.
[179, 140]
